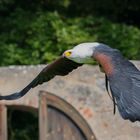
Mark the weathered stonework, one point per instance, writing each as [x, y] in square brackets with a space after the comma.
[84, 89]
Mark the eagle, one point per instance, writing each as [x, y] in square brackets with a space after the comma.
[121, 76]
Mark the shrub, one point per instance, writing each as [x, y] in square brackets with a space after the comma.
[32, 38]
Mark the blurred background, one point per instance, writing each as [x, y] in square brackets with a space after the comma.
[38, 31]
[35, 32]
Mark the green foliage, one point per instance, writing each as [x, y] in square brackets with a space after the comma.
[120, 36]
[42, 39]
[32, 34]
[39, 40]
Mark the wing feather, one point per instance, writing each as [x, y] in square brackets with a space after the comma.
[125, 87]
[62, 66]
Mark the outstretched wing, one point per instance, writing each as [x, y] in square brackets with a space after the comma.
[62, 66]
[125, 88]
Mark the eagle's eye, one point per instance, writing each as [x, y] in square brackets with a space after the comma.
[68, 53]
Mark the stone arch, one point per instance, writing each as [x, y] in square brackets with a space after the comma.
[48, 100]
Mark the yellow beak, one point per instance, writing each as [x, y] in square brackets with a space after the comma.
[67, 53]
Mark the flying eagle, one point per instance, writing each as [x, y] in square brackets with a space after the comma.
[122, 77]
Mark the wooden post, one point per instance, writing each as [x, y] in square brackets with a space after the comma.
[42, 118]
[3, 122]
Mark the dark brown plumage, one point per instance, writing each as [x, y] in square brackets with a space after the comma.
[61, 66]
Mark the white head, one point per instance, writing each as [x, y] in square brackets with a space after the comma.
[81, 53]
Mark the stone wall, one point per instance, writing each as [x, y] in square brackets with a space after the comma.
[84, 89]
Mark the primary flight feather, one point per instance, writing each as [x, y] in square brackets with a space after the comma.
[122, 76]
